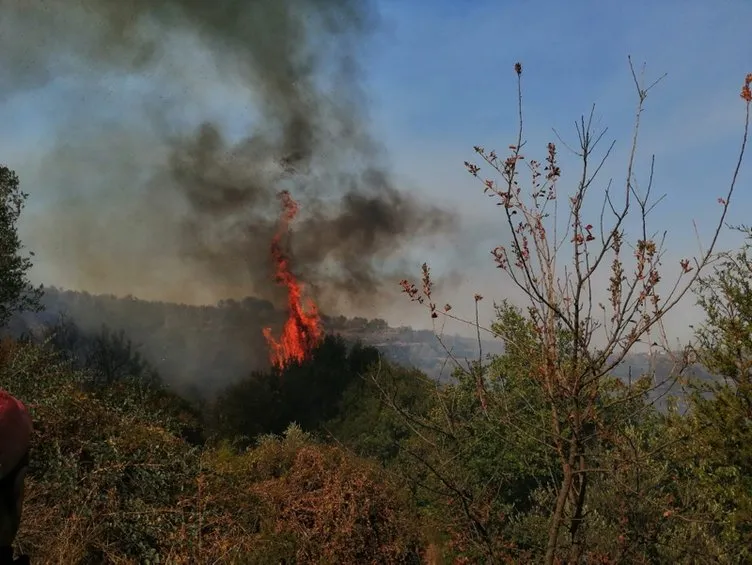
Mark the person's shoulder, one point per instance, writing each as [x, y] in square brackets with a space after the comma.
[15, 432]
[7, 400]
[12, 408]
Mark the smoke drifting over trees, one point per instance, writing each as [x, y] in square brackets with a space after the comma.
[145, 199]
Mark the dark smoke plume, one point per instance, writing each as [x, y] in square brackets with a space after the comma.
[148, 204]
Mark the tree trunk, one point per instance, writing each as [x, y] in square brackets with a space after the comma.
[557, 520]
[579, 490]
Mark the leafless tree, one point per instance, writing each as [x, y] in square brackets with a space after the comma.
[582, 332]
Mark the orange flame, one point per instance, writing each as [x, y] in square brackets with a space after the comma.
[302, 330]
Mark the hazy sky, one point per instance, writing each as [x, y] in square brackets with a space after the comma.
[438, 77]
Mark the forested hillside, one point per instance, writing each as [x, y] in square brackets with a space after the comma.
[204, 348]
[200, 350]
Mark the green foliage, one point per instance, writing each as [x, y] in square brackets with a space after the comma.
[478, 453]
[666, 492]
[308, 394]
[106, 475]
[719, 457]
[725, 339]
[467, 466]
[111, 481]
[664, 488]
[16, 292]
[368, 421]
[108, 356]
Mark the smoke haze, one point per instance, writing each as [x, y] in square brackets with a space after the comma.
[148, 203]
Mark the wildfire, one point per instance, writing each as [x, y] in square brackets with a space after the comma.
[302, 330]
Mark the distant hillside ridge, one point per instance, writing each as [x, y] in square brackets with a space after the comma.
[204, 348]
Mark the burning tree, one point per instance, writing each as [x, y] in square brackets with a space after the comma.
[580, 333]
[302, 331]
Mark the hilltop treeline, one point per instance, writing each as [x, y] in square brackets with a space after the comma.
[200, 349]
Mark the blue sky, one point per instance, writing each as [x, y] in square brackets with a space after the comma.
[439, 79]
[443, 81]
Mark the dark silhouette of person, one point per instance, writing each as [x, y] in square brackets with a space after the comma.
[15, 437]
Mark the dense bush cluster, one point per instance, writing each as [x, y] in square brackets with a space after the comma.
[112, 481]
[383, 466]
